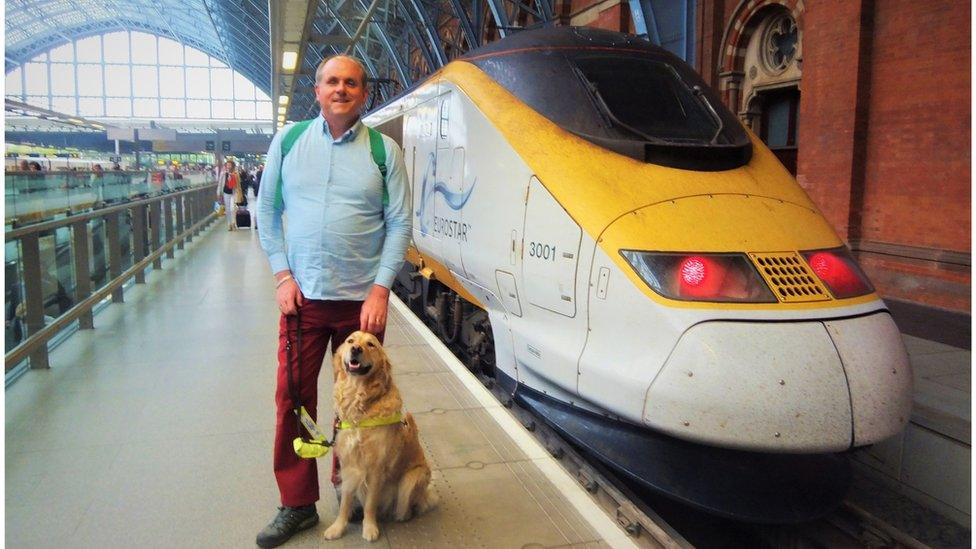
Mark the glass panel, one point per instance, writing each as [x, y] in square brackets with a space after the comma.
[197, 109]
[57, 273]
[117, 81]
[65, 105]
[98, 256]
[171, 82]
[260, 95]
[90, 80]
[36, 78]
[221, 81]
[244, 110]
[118, 106]
[223, 109]
[64, 53]
[173, 108]
[89, 49]
[39, 101]
[778, 114]
[91, 106]
[62, 78]
[13, 297]
[12, 83]
[143, 48]
[214, 62]
[196, 58]
[116, 47]
[144, 81]
[197, 83]
[243, 88]
[145, 107]
[264, 110]
[170, 52]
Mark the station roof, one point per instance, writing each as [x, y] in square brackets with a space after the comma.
[237, 33]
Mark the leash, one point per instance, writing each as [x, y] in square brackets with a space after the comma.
[317, 446]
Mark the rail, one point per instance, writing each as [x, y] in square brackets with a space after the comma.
[51, 267]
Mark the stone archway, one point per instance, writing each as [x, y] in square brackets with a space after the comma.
[760, 71]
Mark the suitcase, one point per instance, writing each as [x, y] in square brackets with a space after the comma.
[243, 217]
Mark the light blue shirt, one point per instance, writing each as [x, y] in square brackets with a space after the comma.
[340, 239]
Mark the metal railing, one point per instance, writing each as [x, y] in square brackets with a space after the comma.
[55, 264]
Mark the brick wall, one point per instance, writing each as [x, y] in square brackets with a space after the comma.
[884, 137]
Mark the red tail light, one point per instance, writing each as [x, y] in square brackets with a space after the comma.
[838, 270]
[700, 277]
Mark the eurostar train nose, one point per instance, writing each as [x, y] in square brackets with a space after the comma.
[816, 386]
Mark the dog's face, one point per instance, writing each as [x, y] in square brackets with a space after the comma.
[362, 355]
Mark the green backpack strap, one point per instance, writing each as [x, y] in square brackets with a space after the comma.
[378, 149]
[287, 142]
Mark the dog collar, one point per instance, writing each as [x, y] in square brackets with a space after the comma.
[371, 422]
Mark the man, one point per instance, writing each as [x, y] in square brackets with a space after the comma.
[345, 244]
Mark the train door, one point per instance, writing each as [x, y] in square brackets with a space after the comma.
[550, 256]
[447, 196]
[421, 139]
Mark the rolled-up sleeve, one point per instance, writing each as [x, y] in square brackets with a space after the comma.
[396, 215]
[270, 229]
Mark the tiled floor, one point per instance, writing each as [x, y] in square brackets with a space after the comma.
[155, 429]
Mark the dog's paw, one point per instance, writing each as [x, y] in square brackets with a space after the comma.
[371, 532]
[335, 531]
[404, 516]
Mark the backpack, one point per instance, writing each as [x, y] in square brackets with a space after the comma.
[288, 141]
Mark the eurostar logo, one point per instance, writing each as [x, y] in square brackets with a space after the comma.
[430, 187]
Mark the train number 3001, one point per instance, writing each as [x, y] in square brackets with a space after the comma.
[542, 251]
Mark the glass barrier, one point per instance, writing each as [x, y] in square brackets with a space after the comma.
[32, 197]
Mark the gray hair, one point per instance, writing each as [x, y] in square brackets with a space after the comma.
[318, 71]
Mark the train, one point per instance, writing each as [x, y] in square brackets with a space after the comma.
[600, 235]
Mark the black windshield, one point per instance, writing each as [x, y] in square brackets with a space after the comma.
[620, 93]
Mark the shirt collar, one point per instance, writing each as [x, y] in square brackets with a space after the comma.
[350, 134]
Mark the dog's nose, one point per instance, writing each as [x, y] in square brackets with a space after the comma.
[357, 350]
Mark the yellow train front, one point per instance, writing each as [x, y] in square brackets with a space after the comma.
[644, 274]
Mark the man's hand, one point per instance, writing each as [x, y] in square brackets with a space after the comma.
[288, 295]
[372, 317]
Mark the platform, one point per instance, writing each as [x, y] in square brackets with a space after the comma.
[155, 429]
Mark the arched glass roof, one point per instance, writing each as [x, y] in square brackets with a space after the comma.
[236, 33]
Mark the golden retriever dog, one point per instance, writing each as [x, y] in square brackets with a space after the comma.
[384, 466]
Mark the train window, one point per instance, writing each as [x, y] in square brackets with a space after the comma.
[393, 128]
[445, 115]
[648, 99]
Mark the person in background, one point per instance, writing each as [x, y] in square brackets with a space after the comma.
[23, 166]
[116, 167]
[227, 182]
[35, 167]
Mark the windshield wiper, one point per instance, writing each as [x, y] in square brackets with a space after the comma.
[605, 111]
[700, 95]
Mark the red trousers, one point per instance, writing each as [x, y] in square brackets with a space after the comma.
[322, 321]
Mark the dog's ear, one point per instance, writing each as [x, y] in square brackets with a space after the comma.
[337, 365]
[387, 366]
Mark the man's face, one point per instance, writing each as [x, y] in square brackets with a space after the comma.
[340, 91]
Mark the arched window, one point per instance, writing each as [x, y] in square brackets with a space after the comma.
[131, 74]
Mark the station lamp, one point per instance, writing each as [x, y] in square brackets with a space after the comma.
[282, 99]
[288, 60]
